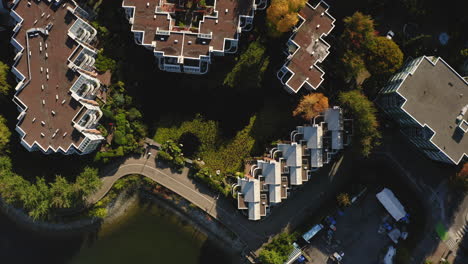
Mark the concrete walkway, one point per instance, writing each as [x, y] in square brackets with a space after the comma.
[288, 214]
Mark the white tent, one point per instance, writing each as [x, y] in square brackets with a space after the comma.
[391, 203]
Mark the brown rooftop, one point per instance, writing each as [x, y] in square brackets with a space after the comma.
[177, 43]
[49, 107]
[311, 47]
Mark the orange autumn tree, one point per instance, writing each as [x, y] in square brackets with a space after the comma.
[311, 105]
[282, 15]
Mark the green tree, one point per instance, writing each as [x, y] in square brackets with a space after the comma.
[36, 199]
[278, 250]
[270, 257]
[62, 193]
[133, 114]
[358, 32]
[353, 64]
[365, 120]
[4, 134]
[87, 182]
[385, 57]
[250, 68]
[104, 63]
[4, 85]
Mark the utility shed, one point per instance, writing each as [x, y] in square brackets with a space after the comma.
[391, 203]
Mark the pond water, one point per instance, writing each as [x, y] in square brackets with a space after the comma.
[146, 234]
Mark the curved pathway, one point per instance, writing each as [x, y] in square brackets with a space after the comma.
[289, 214]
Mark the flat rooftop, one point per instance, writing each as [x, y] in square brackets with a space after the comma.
[435, 96]
[184, 40]
[311, 47]
[41, 95]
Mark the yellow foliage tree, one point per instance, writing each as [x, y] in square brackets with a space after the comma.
[311, 105]
[282, 14]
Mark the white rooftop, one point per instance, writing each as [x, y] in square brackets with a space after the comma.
[391, 203]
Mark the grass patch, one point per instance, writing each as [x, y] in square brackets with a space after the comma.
[441, 231]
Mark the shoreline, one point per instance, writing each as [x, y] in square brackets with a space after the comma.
[120, 207]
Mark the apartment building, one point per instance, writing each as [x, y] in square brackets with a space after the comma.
[57, 84]
[429, 100]
[184, 34]
[306, 48]
[291, 164]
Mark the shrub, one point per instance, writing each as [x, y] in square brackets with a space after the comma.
[99, 212]
[4, 134]
[104, 63]
[278, 250]
[5, 87]
[343, 199]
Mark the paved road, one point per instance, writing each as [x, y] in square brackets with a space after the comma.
[288, 215]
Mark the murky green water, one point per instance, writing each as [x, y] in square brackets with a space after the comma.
[147, 234]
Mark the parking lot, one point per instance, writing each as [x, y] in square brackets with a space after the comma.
[356, 235]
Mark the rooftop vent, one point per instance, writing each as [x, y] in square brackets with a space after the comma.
[53, 112]
[56, 97]
[29, 3]
[42, 87]
[63, 101]
[34, 120]
[176, 41]
[47, 76]
[42, 135]
[147, 4]
[189, 42]
[216, 22]
[64, 134]
[226, 11]
[42, 69]
[318, 26]
[43, 102]
[46, 55]
[43, 14]
[42, 123]
[46, 45]
[322, 14]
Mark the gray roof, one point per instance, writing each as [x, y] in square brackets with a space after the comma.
[332, 117]
[292, 153]
[251, 189]
[313, 135]
[435, 96]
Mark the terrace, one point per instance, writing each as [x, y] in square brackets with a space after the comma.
[186, 29]
[306, 48]
[43, 95]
